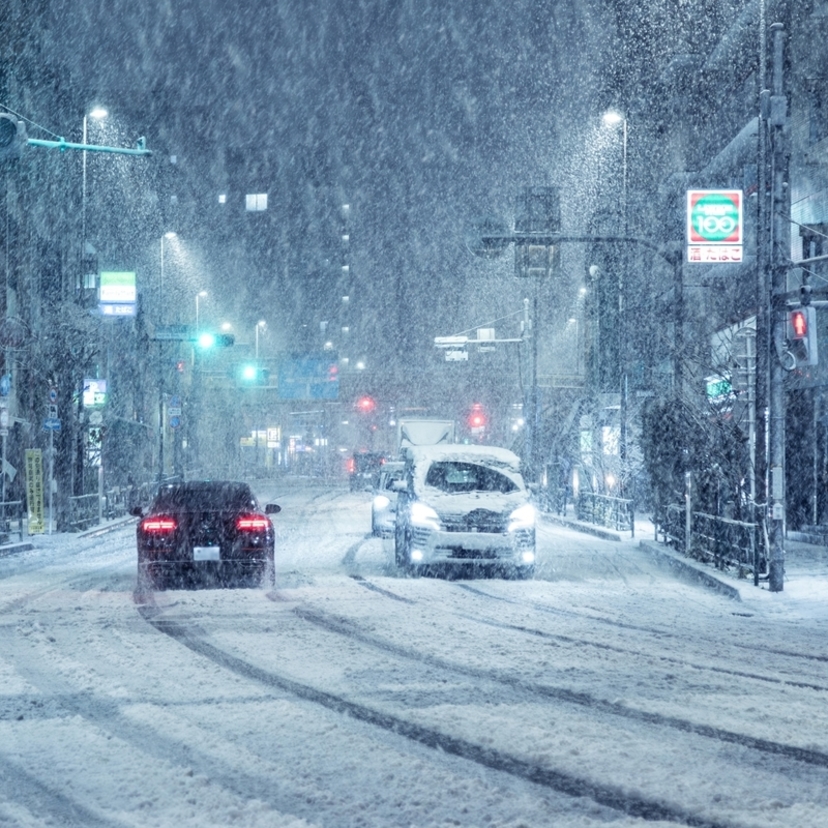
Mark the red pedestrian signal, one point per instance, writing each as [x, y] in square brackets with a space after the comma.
[798, 324]
[802, 335]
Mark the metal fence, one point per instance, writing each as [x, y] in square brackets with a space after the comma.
[724, 542]
[84, 511]
[602, 510]
[11, 520]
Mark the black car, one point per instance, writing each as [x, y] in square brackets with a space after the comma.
[205, 528]
[364, 468]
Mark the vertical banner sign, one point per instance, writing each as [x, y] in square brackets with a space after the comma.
[714, 226]
[34, 491]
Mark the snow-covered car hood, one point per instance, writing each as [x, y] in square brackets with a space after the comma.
[459, 503]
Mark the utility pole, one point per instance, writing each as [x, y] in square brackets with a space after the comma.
[779, 255]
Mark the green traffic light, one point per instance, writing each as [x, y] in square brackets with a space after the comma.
[206, 340]
[249, 372]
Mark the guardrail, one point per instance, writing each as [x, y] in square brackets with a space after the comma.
[11, 513]
[724, 542]
[84, 511]
[603, 510]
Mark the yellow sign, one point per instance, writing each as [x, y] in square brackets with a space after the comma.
[34, 491]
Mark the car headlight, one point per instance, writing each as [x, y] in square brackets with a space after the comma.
[381, 502]
[423, 514]
[522, 518]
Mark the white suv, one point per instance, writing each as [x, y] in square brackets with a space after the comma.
[464, 506]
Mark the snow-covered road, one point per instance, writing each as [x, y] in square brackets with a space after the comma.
[602, 692]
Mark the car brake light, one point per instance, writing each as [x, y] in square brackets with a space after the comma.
[158, 525]
[252, 523]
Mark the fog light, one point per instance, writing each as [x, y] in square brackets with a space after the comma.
[416, 555]
[528, 557]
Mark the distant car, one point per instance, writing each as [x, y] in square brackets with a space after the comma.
[363, 470]
[384, 504]
[464, 506]
[213, 528]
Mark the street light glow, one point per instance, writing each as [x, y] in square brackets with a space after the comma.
[98, 112]
[612, 117]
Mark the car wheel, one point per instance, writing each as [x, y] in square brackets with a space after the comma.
[268, 580]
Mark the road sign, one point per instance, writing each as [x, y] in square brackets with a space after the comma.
[714, 217]
[51, 424]
[175, 421]
[53, 395]
[714, 226]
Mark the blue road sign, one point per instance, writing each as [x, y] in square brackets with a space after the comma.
[51, 424]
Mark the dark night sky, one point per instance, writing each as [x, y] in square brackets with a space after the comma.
[421, 114]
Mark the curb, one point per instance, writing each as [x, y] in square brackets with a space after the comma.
[586, 528]
[688, 571]
[14, 548]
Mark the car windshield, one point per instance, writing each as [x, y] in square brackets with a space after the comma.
[208, 495]
[452, 476]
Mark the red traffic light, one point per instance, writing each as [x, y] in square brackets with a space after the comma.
[798, 324]
[477, 418]
[366, 405]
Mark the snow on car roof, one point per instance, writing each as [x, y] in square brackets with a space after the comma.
[466, 453]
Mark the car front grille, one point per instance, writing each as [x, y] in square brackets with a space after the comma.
[479, 520]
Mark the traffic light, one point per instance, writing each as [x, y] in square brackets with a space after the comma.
[251, 373]
[477, 419]
[209, 340]
[12, 137]
[366, 405]
[802, 335]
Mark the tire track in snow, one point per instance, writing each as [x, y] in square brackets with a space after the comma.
[608, 796]
[568, 639]
[43, 801]
[637, 627]
[563, 694]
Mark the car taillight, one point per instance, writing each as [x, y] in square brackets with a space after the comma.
[158, 525]
[252, 523]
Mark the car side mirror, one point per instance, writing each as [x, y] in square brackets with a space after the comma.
[136, 511]
[399, 486]
[272, 509]
[533, 487]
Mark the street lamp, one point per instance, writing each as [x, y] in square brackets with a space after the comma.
[200, 295]
[260, 326]
[98, 113]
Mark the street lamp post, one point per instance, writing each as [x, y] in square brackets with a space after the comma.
[98, 113]
[260, 326]
[169, 235]
[614, 118]
[200, 295]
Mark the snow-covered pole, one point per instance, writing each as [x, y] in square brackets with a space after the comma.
[778, 261]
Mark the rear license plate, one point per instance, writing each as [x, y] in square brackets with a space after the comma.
[206, 553]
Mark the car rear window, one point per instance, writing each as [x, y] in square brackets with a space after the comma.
[453, 476]
[205, 496]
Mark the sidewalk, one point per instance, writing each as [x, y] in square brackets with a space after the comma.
[806, 568]
[47, 539]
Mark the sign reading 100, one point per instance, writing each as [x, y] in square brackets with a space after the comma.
[714, 216]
